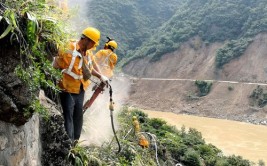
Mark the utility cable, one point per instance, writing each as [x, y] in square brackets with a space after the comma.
[111, 108]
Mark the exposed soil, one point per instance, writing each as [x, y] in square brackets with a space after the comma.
[225, 100]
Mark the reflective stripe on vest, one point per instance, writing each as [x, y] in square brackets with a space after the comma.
[105, 62]
[68, 71]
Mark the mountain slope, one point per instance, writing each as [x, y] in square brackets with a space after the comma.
[191, 63]
[154, 28]
[213, 21]
[130, 22]
[225, 100]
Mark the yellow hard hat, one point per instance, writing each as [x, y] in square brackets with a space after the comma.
[93, 34]
[134, 117]
[112, 43]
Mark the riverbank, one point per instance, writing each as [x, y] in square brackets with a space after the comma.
[180, 97]
[232, 137]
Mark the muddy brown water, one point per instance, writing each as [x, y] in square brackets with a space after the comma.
[232, 137]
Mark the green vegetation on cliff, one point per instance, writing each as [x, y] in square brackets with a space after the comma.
[30, 32]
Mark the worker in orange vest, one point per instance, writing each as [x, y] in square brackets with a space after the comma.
[142, 141]
[106, 58]
[136, 125]
[77, 66]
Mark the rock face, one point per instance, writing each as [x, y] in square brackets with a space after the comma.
[38, 142]
[24, 140]
[55, 142]
[20, 145]
[19, 135]
[15, 95]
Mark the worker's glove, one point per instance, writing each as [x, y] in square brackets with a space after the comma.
[104, 79]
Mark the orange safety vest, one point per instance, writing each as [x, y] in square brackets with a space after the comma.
[106, 60]
[70, 62]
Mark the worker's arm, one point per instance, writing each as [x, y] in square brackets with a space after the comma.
[100, 76]
[96, 73]
[59, 62]
[95, 66]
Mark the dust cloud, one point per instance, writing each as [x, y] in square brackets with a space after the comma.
[97, 127]
[79, 12]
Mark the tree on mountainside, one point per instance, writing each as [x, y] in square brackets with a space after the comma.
[146, 28]
[130, 22]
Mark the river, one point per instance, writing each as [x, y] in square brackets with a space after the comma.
[232, 137]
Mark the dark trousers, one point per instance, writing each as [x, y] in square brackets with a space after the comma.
[73, 113]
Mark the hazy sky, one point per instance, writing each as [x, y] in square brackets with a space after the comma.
[79, 9]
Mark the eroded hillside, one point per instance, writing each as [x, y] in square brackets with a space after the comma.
[195, 60]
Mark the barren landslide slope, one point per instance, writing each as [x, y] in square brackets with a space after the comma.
[196, 60]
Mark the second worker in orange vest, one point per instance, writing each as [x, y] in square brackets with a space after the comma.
[106, 58]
